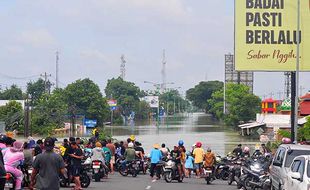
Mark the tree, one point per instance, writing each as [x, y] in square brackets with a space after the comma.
[126, 93]
[13, 116]
[201, 93]
[84, 97]
[49, 113]
[36, 90]
[12, 93]
[174, 101]
[242, 106]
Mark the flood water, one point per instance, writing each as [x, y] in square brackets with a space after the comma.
[190, 128]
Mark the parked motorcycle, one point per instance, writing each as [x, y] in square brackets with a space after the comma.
[171, 172]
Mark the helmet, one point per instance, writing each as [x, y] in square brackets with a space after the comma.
[198, 144]
[246, 149]
[130, 145]
[181, 142]
[188, 153]
[132, 138]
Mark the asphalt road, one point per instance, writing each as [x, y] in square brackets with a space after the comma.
[144, 182]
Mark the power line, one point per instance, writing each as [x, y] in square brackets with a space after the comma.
[18, 78]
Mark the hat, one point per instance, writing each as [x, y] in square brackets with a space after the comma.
[49, 142]
[132, 137]
[98, 144]
[156, 146]
[130, 145]
[17, 146]
[31, 144]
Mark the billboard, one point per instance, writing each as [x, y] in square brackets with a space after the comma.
[266, 35]
[91, 123]
[153, 101]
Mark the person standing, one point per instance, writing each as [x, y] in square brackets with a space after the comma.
[189, 166]
[76, 164]
[111, 146]
[46, 168]
[38, 148]
[198, 155]
[155, 156]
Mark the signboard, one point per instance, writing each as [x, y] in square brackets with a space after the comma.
[112, 103]
[266, 35]
[91, 123]
[153, 101]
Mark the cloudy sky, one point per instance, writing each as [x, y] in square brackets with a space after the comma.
[91, 35]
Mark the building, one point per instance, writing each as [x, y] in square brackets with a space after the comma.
[304, 105]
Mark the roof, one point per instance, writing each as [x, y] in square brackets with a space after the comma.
[251, 125]
[269, 100]
[296, 146]
[306, 96]
[307, 157]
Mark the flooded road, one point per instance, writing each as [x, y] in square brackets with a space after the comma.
[190, 128]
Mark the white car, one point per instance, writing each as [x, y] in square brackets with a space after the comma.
[299, 174]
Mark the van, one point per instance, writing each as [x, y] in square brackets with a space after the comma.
[281, 163]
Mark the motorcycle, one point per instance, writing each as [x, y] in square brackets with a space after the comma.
[208, 174]
[255, 176]
[142, 166]
[221, 168]
[66, 180]
[129, 168]
[171, 172]
[235, 171]
[10, 181]
[98, 170]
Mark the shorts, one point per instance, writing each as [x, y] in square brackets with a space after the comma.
[112, 161]
[75, 171]
[198, 165]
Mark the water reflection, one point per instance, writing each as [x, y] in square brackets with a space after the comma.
[190, 128]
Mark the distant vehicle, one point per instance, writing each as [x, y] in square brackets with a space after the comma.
[299, 174]
[282, 162]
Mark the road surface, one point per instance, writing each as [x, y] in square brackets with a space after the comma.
[144, 182]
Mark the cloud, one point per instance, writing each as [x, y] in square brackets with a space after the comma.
[39, 38]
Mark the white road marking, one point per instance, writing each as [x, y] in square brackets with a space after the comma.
[154, 180]
[148, 187]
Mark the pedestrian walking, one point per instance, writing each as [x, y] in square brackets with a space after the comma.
[46, 168]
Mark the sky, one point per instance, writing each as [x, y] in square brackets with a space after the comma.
[92, 35]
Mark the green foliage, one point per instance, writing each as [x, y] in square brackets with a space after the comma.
[12, 93]
[284, 133]
[49, 113]
[36, 90]
[142, 109]
[173, 99]
[242, 106]
[126, 93]
[201, 93]
[13, 116]
[84, 97]
[304, 132]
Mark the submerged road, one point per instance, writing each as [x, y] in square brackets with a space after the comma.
[144, 182]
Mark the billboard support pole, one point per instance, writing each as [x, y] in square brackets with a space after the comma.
[293, 108]
[297, 74]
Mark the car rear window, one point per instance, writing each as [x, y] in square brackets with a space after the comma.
[294, 153]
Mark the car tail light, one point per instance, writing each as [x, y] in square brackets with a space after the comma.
[96, 163]
[7, 176]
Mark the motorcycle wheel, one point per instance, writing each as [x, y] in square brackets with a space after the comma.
[168, 177]
[85, 180]
[180, 180]
[97, 177]
[208, 179]
[230, 178]
[123, 173]
[63, 181]
[134, 172]
[225, 175]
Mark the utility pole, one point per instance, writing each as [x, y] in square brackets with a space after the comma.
[123, 67]
[57, 69]
[47, 84]
[27, 122]
[163, 73]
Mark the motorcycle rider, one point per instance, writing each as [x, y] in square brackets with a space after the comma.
[98, 154]
[238, 150]
[209, 160]
[164, 150]
[107, 153]
[246, 152]
[199, 156]
[257, 152]
[140, 153]
[129, 155]
[13, 157]
[176, 156]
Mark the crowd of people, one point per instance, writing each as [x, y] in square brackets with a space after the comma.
[49, 161]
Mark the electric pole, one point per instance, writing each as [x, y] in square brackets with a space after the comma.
[47, 84]
[57, 69]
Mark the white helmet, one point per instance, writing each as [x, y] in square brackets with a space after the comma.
[130, 145]
[246, 149]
